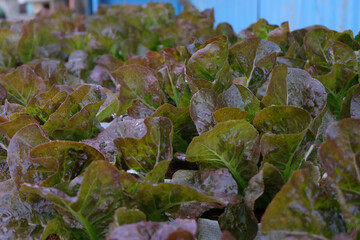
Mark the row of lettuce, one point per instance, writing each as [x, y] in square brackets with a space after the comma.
[262, 126]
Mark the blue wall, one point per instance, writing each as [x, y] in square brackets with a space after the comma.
[335, 14]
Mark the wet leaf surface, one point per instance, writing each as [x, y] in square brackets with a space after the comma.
[284, 128]
[137, 83]
[202, 104]
[340, 158]
[98, 197]
[301, 208]
[231, 144]
[156, 200]
[155, 146]
[121, 124]
[179, 229]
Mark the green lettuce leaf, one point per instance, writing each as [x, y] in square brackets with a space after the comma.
[56, 228]
[8, 45]
[79, 64]
[44, 104]
[351, 104]
[339, 155]
[261, 28]
[104, 141]
[155, 146]
[280, 35]
[173, 77]
[109, 107]
[125, 216]
[301, 208]
[22, 84]
[156, 200]
[238, 221]
[332, 62]
[157, 174]
[138, 110]
[18, 218]
[261, 190]
[209, 62]
[238, 96]
[65, 160]
[37, 41]
[21, 167]
[284, 128]
[184, 128]
[80, 126]
[9, 128]
[295, 87]
[227, 30]
[177, 229]
[202, 105]
[53, 72]
[93, 207]
[3, 94]
[231, 113]
[231, 144]
[217, 183]
[254, 58]
[75, 117]
[137, 83]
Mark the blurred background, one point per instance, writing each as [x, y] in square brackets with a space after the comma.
[335, 14]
